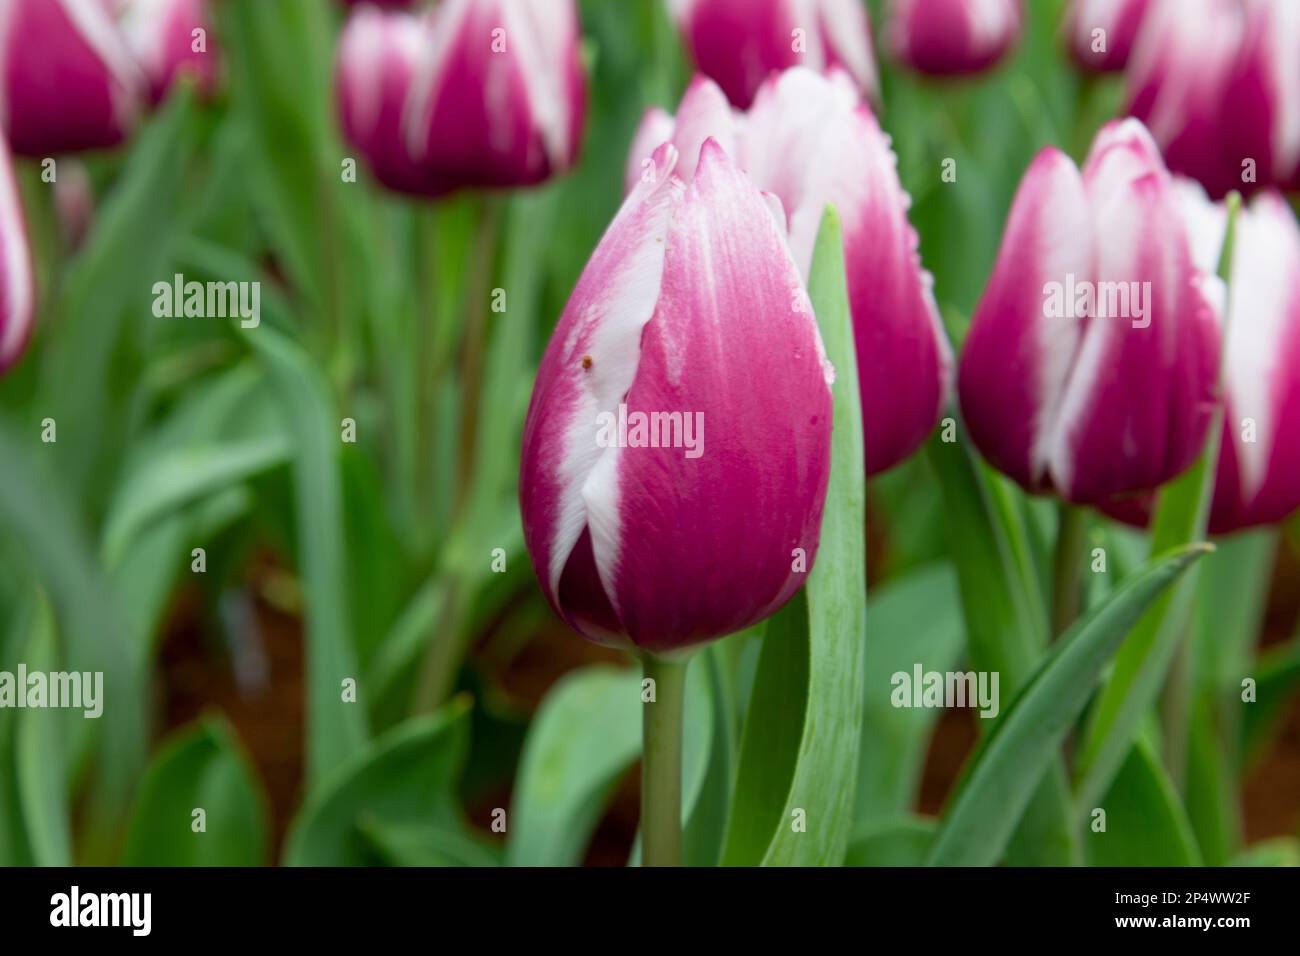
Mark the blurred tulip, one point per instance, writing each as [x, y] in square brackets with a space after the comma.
[499, 96]
[171, 36]
[389, 4]
[17, 280]
[1261, 114]
[377, 57]
[1258, 478]
[74, 202]
[739, 42]
[68, 80]
[951, 37]
[810, 141]
[690, 309]
[1100, 33]
[1089, 368]
[1178, 74]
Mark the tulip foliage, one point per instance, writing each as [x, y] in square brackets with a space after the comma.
[546, 432]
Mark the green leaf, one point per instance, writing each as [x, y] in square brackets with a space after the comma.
[582, 739]
[901, 840]
[1009, 760]
[180, 476]
[1146, 824]
[407, 777]
[426, 845]
[336, 730]
[1280, 851]
[912, 620]
[200, 768]
[40, 756]
[1277, 676]
[1006, 621]
[805, 711]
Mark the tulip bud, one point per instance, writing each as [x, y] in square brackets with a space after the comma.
[1261, 118]
[677, 448]
[811, 142]
[739, 42]
[499, 96]
[17, 279]
[1100, 33]
[377, 58]
[1178, 74]
[952, 37]
[1089, 368]
[168, 37]
[69, 82]
[1258, 477]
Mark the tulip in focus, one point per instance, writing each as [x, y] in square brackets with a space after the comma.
[168, 37]
[952, 37]
[810, 141]
[1258, 477]
[738, 43]
[676, 451]
[377, 57]
[499, 95]
[1182, 62]
[68, 81]
[1100, 33]
[17, 280]
[1090, 365]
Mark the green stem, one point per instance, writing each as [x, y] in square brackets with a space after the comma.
[1067, 567]
[661, 763]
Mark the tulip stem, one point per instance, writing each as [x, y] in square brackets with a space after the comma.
[1067, 567]
[661, 761]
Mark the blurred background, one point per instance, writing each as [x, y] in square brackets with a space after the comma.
[347, 472]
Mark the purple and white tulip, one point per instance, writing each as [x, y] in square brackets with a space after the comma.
[1100, 33]
[691, 310]
[165, 37]
[952, 37]
[67, 79]
[738, 43]
[1258, 478]
[810, 141]
[377, 57]
[499, 94]
[1261, 116]
[1182, 62]
[1090, 365]
[17, 278]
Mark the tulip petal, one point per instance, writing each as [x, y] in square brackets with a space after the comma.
[731, 313]
[69, 81]
[1141, 392]
[17, 282]
[1016, 359]
[587, 369]
[655, 129]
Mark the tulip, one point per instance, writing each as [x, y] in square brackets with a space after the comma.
[390, 4]
[1090, 364]
[691, 310]
[168, 37]
[1100, 33]
[377, 58]
[952, 37]
[17, 279]
[1261, 117]
[499, 95]
[810, 141]
[739, 42]
[1182, 62]
[1258, 477]
[68, 80]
